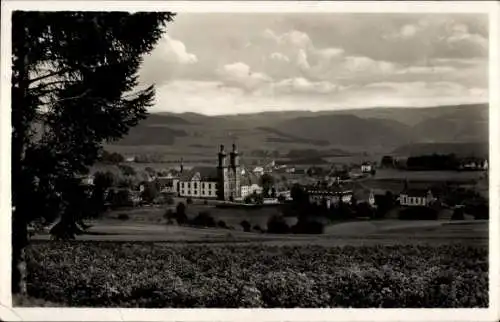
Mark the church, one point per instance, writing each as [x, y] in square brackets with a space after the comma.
[229, 175]
[228, 181]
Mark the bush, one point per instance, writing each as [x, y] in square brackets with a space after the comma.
[246, 226]
[123, 217]
[458, 214]
[189, 201]
[222, 224]
[258, 228]
[308, 227]
[204, 219]
[277, 225]
[418, 213]
[205, 202]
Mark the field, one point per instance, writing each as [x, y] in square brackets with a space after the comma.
[112, 274]
[385, 174]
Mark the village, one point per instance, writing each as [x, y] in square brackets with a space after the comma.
[232, 183]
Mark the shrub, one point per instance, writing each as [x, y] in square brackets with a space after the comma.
[277, 225]
[458, 214]
[204, 219]
[246, 226]
[123, 217]
[418, 213]
[308, 227]
[258, 228]
[222, 224]
[189, 201]
[205, 202]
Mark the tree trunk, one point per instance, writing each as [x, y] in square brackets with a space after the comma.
[21, 118]
[19, 243]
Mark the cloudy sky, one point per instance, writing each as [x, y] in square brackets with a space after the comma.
[239, 63]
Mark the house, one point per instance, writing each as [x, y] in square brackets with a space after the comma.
[329, 195]
[366, 167]
[258, 171]
[416, 197]
[249, 184]
[474, 164]
[88, 180]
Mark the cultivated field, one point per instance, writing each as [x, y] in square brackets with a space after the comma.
[110, 274]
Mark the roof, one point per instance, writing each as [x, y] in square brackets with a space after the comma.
[415, 192]
[249, 179]
[206, 174]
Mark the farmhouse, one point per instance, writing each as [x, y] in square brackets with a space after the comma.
[416, 197]
[329, 196]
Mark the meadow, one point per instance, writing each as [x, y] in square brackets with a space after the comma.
[162, 275]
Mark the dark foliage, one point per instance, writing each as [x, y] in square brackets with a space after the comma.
[277, 225]
[222, 224]
[123, 217]
[433, 162]
[308, 226]
[418, 213]
[246, 226]
[73, 80]
[204, 219]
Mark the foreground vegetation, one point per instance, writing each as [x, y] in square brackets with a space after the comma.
[161, 275]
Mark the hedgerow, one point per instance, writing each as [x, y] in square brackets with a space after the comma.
[148, 275]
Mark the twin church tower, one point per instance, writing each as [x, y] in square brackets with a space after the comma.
[229, 175]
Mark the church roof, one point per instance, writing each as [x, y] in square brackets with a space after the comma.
[206, 174]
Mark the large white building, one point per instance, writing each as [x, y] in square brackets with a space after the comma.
[229, 180]
[416, 197]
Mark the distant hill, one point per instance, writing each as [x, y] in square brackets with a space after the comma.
[348, 130]
[374, 129]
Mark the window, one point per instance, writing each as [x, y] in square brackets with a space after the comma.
[196, 185]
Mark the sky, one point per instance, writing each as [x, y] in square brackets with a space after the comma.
[220, 63]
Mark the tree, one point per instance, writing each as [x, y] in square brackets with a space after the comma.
[150, 192]
[267, 181]
[246, 226]
[73, 81]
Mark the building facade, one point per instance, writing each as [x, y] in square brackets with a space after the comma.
[414, 197]
[229, 175]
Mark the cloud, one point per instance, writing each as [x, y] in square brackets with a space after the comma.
[192, 96]
[174, 51]
[440, 37]
[300, 85]
[279, 57]
[168, 60]
[239, 75]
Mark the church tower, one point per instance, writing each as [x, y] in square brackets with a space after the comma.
[236, 173]
[222, 175]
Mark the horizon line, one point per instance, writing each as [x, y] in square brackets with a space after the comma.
[322, 111]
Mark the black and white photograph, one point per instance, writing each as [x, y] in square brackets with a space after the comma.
[266, 159]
